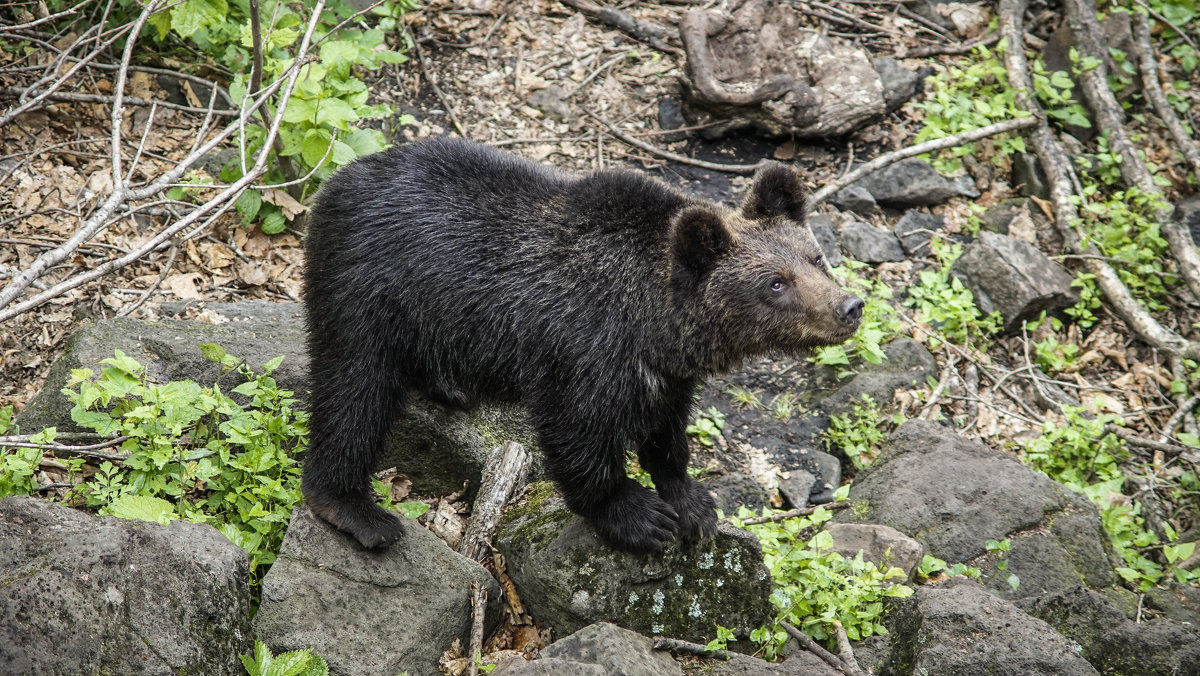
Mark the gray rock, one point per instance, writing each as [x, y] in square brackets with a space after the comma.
[915, 229]
[737, 490]
[551, 101]
[1176, 601]
[908, 364]
[869, 244]
[856, 198]
[910, 183]
[321, 590]
[882, 545]
[899, 83]
[965, 185]
[823, 230]
[568, 578]
[1187, 212]
[87, 595]
[438, 448]
[797, 487]
[801, 664]
[621, 652]
[670, 116]
[547, 666]
[959, 629]
[953, 495]
[1111, 641]
[1014, 278]
[998, 218]
[1028, 175]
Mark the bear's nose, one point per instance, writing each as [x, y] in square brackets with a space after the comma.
[850, 311]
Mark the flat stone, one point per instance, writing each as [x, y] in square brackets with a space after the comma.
[882, 545]
[915, 229]
[855, 198]
[1014, 278]
[621, 652]
[869, 244]
[909, 183]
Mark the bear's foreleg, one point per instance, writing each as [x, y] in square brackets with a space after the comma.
[355, 395]
[664, 454]
[587, 460]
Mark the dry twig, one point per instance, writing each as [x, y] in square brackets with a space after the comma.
[687, 648]
[815, 648]
[802, 511]
[1148, 67]
[675, 157]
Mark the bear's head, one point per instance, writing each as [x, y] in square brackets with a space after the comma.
[757, 276]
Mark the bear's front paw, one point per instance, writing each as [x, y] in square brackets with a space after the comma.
[696, 509]
[373, 526]
[635, 520]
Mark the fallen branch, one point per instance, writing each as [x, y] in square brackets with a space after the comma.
[503, 476]
[1110, 117]
[478, 609]
[935, 145]
[86, 451]
[1057, 167]
[947, 375]
[815, 648]
[1148, 67]
[1142, 442]
[674, 157]
[687, 648]
[1176, 418]
[844, 650]
[63, 97]
[802, 511]
[642, 31]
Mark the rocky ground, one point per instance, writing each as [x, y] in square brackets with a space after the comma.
[542, 80]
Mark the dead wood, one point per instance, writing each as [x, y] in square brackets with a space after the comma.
[643, 31]
[815, 648]
[1057, 167]
[503, 476]
[478, 609]
[1148, 67]
[688, 648]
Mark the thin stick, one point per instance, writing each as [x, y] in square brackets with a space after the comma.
[438, 90]
[682, 159]
[802, 511]
[128, 309]
[844, 650]
[504, 474]
[642, 31]
[478, 609]
[1176, 418]
[882, 161]
[948, 373]
[1142, 442]
[66, 97]
[816, 649]
[688, 648]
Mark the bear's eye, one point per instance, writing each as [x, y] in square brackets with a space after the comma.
[819, 261]
[777, 285]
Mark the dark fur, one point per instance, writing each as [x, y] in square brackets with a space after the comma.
[599, 301]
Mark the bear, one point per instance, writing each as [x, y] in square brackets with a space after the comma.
[600, 302]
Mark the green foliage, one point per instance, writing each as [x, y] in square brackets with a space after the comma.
[941, 299]
[931, 566]
[859, 432]
[721, 642]
[1001, 549]
[744, 398]
[17, 469]
[814, 586]
[1123, 227]
[6, 418]
[1051, 355]
[293, 663]
[1084, 457]
[1182, 13]
[784, 406]
[879, 323]
[708, 426]
[194, 452]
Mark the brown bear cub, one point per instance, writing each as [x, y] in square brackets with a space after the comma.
[600, 302]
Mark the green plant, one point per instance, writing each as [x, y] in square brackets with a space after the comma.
[941, 300]
[721, 642]
[744, 398]
[1001, 549]
[814, 586]
[931, 566]
[784, 406]
[1051, 355]
[194, 452]
[859, 432]
[878, 326]
[708, 426]
[19, 465]
[293, 663]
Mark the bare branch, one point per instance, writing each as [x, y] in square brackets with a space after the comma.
[1148, 66]
[675, 157]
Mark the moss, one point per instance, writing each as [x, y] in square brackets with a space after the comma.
[529, 519]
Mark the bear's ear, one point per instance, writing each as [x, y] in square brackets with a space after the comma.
[777, 191]
[699, 237]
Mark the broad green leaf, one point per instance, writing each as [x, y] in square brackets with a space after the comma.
[143, 508]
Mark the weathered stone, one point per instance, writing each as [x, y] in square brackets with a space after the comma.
[959, 629]
[438, 448]
[908, 364]
[855, 198]
[548, 666]
[915, 229]
[568, 578]
[909, 183]
[822, 229]
[953, 495]
[670, 116]
[552, 101]
[737, 490]
[801, 664]
[621, 652]
[1001, 217]
[1014, 278]
[1112, 642]
[87, 595]
[899, 83]
[869, 244]
[882, 545]
[320, 591]
[797, 487]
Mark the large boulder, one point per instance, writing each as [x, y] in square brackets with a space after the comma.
[601, 648]
[913, 183]
[567, 578]
[86, 595]
[954, 495]
[960, 629]
[438, 448]
[369, 613]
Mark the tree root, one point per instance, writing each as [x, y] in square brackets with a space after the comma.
[642, 31]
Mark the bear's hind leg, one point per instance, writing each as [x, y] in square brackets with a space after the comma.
[354, 398]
